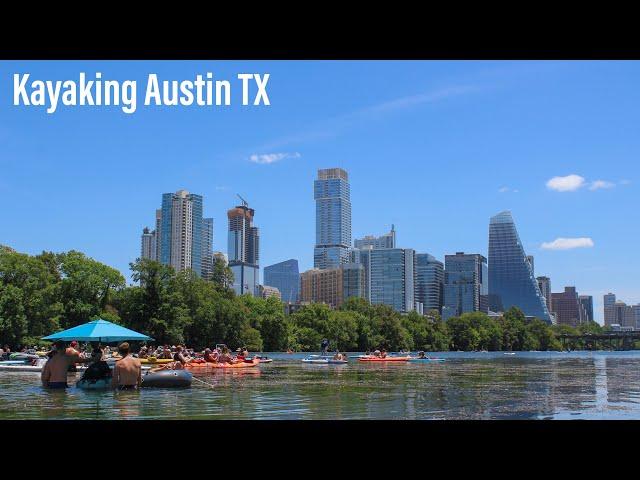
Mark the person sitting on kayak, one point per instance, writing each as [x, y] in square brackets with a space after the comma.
[209, 356]
[225, 356]
[338, 356]
[383, 353]
[376, 353]
[421, 354]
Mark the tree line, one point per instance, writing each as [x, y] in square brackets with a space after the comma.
[45, 293]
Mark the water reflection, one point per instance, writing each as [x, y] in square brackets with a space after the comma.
[466, 386]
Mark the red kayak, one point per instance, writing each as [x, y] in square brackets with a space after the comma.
[373, 358]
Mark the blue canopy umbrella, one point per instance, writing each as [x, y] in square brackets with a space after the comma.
[98, 331]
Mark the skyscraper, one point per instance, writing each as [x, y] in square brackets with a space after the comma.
[388, 240]
[243, 249]
[353, 280]
[567, 307]
[207, 248]
[465, 284]
[429, 281]
[587, 304]
[333, 218]
[285, 276]
[544, 284]
[511, 279]
[181, 231]
[392, 278]
[609, 301]
[148, 247]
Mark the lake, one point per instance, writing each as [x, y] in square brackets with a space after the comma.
[527, 385]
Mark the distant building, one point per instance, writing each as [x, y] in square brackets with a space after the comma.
[429, 281]
[353, 280]
[465, 284]
[609, 302]
[322, 286]
[333, 218]
[207, 248]
[285, 276]
[511, 279]
[178, 232]
[392, 278]
[148, 244]
[243, 249]
[544, 284]
[388, 240]
[587, 307]
[266, 291]
[567, 307]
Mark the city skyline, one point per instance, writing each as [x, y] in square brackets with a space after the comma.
[451, 145]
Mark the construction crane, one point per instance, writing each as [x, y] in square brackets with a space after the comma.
[244, 202]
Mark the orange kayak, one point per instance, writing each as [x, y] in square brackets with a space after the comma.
[386, 359]
[254, 363]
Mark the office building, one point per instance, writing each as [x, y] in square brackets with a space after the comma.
[587, 307]
[429, 282]
[353, 280]
[392, 278]
[609, 301]
[567, 307]
[511, 279]
[388, 240]
[322, 286]
[465, 284]
[266, 291]
[544, 284]
[285, 276]
[243, 249]
[333, 218]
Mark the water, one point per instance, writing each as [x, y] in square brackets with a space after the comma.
[527, 385]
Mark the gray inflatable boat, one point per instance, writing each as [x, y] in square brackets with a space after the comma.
[167, 379]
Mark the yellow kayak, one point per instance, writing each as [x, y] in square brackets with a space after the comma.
[157, 361]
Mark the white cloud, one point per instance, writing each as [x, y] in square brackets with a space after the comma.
[269, 158]
[507, 189]
[598, 184]
[567, 243]
[570, 183]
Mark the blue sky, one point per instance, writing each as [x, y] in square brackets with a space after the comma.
[434, 147]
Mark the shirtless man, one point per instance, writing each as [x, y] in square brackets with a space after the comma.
[127, 373]
[54, 373]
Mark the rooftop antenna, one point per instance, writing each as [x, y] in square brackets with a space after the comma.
[244, 202]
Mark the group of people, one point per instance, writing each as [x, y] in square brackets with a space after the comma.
[182, 356]
[126, 374]
[377, 353]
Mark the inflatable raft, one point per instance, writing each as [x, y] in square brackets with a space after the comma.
[385, 359]
[101, 384]
[167, 379]
[208, 366]
[319, 360]
[427, 359]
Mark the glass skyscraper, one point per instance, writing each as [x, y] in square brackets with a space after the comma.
[429, 281]
[465, 284]
[391, 277]
[333, 218]
[511, 279]
[285, 276]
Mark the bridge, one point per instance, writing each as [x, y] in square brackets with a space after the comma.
[613, 340]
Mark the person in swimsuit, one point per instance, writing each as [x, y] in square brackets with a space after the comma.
[54, 373]
[209, 356]
[127, 373]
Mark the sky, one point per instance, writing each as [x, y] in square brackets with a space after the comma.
[434, 147]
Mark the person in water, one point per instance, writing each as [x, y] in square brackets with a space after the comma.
[127, 373]
[54, 373]
[98, 369]
[421, 354]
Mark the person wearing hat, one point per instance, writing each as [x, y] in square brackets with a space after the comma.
[54, 373]
[127, 372]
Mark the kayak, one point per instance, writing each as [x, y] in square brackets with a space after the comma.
[207, 366]
[167, 379]
[157, 361]
[386, 359]
[415, 359]
[262, 359]
[101, 384]
[318, 360]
